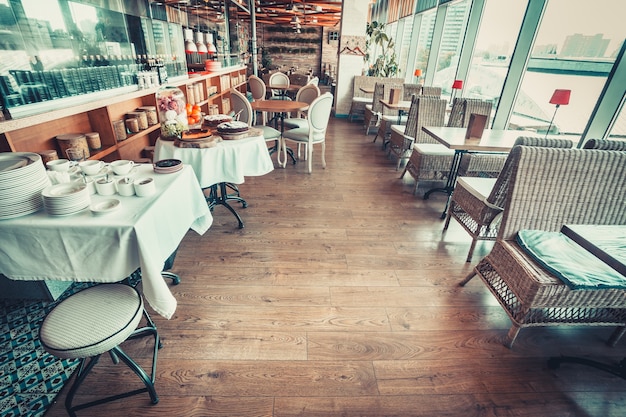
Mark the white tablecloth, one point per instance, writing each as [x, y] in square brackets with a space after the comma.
[143, 233]
[229, 161]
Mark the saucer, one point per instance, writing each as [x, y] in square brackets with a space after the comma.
[106, 206]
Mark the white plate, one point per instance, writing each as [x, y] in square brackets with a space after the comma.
[65, 189]
[105, 206]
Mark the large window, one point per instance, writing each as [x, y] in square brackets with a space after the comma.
[494, 46]
[575, 48]
[425, 39]
[451, 43]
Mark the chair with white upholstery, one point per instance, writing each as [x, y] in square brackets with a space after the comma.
[259, 92]
[314, 81]
[278, 84]
[241, 105]
[94, 321]
[306, 94]
[315, 132]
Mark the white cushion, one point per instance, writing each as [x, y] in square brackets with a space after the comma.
[363, 99]
[92, 321]
[398, 129]
[368, 106]
[296, 122]
[394, 118]
[269, 133]
[478, 187]
[301, 134]
[432, 149]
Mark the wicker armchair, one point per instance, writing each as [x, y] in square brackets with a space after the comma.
[375, 109]
[605, 144]
[424, 111]
[550, 187]
[389, 117]
[360, 98]
[410, 90]
[477, 203]
[431, 91]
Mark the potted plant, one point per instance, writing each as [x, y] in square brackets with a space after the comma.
[385, 64]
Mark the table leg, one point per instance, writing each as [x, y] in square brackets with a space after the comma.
[277, 146]
[222, 197]
[450, 183]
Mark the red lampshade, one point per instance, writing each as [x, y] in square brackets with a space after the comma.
[418, 72]
[457, 84]
[560, 97]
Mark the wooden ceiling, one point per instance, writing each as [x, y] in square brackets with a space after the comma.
[273, 12]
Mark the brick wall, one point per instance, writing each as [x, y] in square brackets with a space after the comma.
[307, 50]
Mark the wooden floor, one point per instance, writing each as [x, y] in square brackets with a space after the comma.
[340, 298]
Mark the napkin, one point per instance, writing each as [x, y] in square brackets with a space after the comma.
[57, 177]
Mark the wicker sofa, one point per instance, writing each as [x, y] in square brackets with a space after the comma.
[360, 98]
[550, 187]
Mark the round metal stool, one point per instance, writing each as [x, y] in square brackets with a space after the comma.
[95, 321]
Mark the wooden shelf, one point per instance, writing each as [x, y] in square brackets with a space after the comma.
[96, 112]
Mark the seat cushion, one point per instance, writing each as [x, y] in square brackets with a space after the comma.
[432, 149]
[294, 122]
[477, 186]
[301, 134]
[570, 262]
[362, 99]
[269, 133]
[398, 129]
[92, 321]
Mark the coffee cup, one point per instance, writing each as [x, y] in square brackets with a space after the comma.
[105, 187]
[59, 165]
[125, 187]
[144, 186]
[122, 166]
[91, 167]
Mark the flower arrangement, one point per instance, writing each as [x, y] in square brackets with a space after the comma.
[171, 105]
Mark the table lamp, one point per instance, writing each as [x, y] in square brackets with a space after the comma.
[418, 74]
[456, 85]
[559, 97]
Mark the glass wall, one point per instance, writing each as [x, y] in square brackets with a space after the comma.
[452, 37]
[495, 42]
[424, 40]
[573, 50]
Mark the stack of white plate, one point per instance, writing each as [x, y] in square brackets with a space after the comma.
[22, 178]
[167, 166]
[67, 198]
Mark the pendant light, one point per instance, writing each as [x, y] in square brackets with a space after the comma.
[200, 46]
[190, 46]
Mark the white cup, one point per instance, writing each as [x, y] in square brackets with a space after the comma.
[104, 187]
[91, 167]
[122, 166]
[125, 187]
[144, 186]
[59, 165]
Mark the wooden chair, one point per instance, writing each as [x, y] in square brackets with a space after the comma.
[550, 187]
[259, 92]
[424, 111]
[477, 203]
[278, 84]
[241, 105]
[315, 132]
[306, 94]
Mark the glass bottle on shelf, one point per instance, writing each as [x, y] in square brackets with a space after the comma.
[171, 105]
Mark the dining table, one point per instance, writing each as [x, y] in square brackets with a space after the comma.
[607, 243]
[401, 107]
[492, 140]
[228, 162]
[280, 108]
[104, 246]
